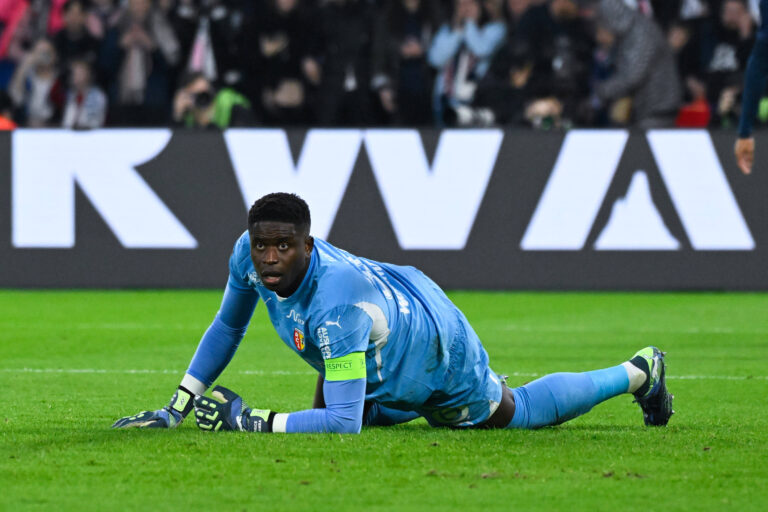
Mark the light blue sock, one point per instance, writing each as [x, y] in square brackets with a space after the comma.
[560, 397]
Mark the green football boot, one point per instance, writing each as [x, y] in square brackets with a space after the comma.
[653, 397]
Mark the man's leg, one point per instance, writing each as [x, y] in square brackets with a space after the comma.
[373, 414]
[376, 415]
[560, 397]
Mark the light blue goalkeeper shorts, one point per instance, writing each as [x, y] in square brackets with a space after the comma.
[471, 391]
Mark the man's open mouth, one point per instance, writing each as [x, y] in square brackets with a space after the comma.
[271, 278]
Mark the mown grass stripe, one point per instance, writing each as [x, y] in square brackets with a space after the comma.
[285, 372]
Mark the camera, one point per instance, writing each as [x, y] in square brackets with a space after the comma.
[203, 99]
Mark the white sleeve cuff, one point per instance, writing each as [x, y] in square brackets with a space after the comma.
[192, 384]
[279, 422]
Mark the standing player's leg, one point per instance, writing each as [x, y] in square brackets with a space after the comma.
[559, 397]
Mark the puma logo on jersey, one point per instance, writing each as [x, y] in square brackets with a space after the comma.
[336, 323]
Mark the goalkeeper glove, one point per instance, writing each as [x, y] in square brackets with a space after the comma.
[229, 412]
[169, 416]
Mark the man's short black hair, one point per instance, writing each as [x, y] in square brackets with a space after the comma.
[280, 207]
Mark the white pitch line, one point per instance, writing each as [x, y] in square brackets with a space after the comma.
[285, 372]
[676, 377]
[631, 330]
[139, 371]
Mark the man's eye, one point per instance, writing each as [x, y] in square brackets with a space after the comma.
[258, 246]
[283, 246]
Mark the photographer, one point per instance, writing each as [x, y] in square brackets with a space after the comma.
[197, 104]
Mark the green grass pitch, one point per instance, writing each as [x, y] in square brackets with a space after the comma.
[72, 362]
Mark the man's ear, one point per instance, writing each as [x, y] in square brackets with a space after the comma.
[309, 244]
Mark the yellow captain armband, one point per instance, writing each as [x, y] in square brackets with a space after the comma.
[349, 367]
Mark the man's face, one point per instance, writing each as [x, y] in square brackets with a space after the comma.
[80, 75]
[74, 18]
[732, 14]
[280, 252]
[604, 37]
[139, 9]
[518, 7]
[564, 9]
[286, 5]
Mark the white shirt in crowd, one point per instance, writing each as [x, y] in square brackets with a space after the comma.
[85, 111]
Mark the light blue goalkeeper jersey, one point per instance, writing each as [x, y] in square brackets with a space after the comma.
[398, 316]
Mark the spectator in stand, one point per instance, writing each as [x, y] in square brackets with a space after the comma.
[102, 16]
[35, 88]
[602, 69]
[344, 39]
[504, 89]
[86, 104]
[24, 23]
[645, 68]
[12, 16]
[54, 11]
[139, 54]
[515, 11]
[212, 35]
[281, 74]
[688, 57]
[559, 47]
[12, 13]
[402, 75]
[197, 104]
[695, 113]
[690, 34]
[6, 112]
[462, 51]
[665, 12]
[73, 40]
[734, 38]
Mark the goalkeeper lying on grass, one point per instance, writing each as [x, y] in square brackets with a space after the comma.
[388, 344]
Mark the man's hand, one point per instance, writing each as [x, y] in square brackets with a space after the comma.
[745, 154]
[229, 412]
[162, 418]
[169, 416]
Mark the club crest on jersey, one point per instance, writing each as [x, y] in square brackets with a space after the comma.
[298, 339]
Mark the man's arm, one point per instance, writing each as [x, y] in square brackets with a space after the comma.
[444, 46]
[754, 85]
[379, 416]
[318, 402]
[213, 353]
[342, 335]
[633, 67]
[222, 338]
[374, 414]
[344, 395]
[486, 40]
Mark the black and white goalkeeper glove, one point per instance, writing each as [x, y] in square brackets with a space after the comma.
[227, 411]
[169, 416]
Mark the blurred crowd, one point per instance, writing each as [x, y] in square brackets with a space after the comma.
[217, 63]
